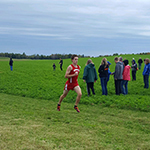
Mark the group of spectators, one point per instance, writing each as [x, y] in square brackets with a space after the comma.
[121, 74]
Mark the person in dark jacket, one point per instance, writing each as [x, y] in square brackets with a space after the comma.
[140, 61]
[146, 73]
[54, 66]
[11, 64]
[118, 75]
[61, 63]
[103, 74]
[90, 76]
[134, 69]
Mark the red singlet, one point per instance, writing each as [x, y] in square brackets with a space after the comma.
[73, 81]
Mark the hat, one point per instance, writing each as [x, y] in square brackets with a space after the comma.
[133, 61]
[108, 63]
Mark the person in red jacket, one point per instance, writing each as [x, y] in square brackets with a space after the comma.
[72, 83]
[126, 77]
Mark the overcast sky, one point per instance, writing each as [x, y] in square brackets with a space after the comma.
[89, 27]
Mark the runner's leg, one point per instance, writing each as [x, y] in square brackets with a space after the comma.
[77, 89]
[65, 92]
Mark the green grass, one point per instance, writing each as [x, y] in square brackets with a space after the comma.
[29, 120]
[4, 57]
[27, 123]
[36, 79]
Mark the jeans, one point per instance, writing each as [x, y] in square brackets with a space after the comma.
[104, 85]
[146, 81]
[118, 86]
[90, 85]
[61, 67]
[140, 66]
[124, 87]
[133, 75]
[11, 68]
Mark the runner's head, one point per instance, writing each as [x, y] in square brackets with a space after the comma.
[74, 59]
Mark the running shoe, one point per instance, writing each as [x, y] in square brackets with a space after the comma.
[77, 109]
[58, 107]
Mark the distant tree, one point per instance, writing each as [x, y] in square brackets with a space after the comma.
[24, 55]
[37, 56]
[115, 54]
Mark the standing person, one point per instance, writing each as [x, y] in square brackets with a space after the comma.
[121, 60]
[103, 74]
[61, 63]
[54, 66]
[140, 61]
[72, 83]
[146, 73]
[118, 75]
[11, 64]
[109, 73]
[126, 77]
[90, 76]
[134, 69]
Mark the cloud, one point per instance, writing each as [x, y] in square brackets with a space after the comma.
[76, 20]
[82, 18]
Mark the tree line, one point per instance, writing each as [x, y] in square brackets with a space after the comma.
[37, 56]
[53, 56]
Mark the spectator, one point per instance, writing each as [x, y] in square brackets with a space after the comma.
[103, 74]
[90, 76]
[109, 73]
[126, 77]
[61, 63]
[118, 75]
[140, 61]
[134, 69]
[121, 60]
[146, 73]
[54, 66]
[11, 64]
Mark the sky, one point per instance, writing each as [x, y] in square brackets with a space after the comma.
[89, 27]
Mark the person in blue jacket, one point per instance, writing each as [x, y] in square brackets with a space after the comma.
[90, 76]
[146, 73]
[109, 73]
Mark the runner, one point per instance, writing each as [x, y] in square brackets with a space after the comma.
[72, 83]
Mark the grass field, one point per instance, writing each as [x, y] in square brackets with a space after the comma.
[36, 79]
[28, 118]
[27, 123]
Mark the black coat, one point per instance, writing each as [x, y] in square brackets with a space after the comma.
[140, 61]
[103, 71]
[11, 62]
